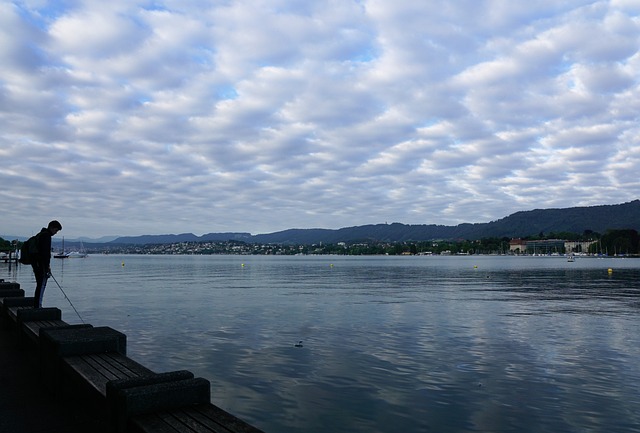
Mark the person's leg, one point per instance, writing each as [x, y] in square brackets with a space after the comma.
[41, 283]
[45, 278]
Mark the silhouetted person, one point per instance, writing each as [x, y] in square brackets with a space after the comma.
[42, 263]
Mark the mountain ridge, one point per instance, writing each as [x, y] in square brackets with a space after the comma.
[578, 220]
[597, 219]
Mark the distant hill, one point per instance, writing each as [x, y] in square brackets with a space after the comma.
[92, 240]
[575, 220]
[521, 224]
[598, 219]
[184, 237]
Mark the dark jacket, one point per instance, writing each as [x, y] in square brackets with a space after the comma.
[43, 258]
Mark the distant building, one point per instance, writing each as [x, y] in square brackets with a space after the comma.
[578, 247]
[548, 246]
[517, 246]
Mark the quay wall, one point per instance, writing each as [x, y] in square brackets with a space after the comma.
[88, 365]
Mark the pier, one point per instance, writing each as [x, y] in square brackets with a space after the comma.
[60, 377]
[9, 257]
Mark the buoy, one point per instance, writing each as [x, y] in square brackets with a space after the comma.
[610, 270]
[122, 264]
[242, 265]
[331, 265]
[475, 266]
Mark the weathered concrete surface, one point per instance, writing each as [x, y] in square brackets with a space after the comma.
[25, 407]
[11, 293]
[82, 341]
[32, 314]
[7, 285]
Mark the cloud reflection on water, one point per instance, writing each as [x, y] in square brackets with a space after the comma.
[390, 344]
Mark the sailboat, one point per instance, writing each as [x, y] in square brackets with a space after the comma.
[81, 254]
[61, 255]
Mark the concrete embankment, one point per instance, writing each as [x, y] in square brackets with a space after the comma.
[24, 405]
[59, 377]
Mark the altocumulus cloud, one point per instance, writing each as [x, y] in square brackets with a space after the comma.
[134, 117]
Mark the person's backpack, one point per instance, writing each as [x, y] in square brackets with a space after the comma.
[29, 250]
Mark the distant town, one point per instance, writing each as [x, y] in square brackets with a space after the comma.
[503, 246]
[612, 243]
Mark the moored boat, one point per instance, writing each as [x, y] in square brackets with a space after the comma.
[61, 254]
[80, 254]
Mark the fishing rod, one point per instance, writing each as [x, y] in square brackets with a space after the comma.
[67, 298]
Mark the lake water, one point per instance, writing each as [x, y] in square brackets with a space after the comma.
[389, 344]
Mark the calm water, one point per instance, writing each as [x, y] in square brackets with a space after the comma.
[390, 344]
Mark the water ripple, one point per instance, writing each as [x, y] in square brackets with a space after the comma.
[459, 344]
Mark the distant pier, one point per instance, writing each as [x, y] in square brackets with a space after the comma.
[79, 378]
[9, 257]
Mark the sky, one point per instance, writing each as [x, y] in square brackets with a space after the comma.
[131, 117]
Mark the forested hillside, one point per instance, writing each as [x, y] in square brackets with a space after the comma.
[578, 220]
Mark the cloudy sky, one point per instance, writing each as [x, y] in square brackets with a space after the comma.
[127, 117]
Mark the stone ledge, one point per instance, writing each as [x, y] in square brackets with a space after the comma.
[148, 394]
[4, 285]
[32, 314]
[11, 293]
[71, 341]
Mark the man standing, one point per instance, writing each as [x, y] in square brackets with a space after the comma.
[42, 261]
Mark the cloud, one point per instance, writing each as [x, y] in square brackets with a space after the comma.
[260, 115]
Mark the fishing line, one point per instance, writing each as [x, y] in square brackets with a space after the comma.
[65, 295]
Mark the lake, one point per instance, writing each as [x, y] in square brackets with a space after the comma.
[388, 344]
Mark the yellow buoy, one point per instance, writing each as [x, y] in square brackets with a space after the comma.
[610, 270]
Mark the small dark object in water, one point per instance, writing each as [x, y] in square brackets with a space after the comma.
[299, 344]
